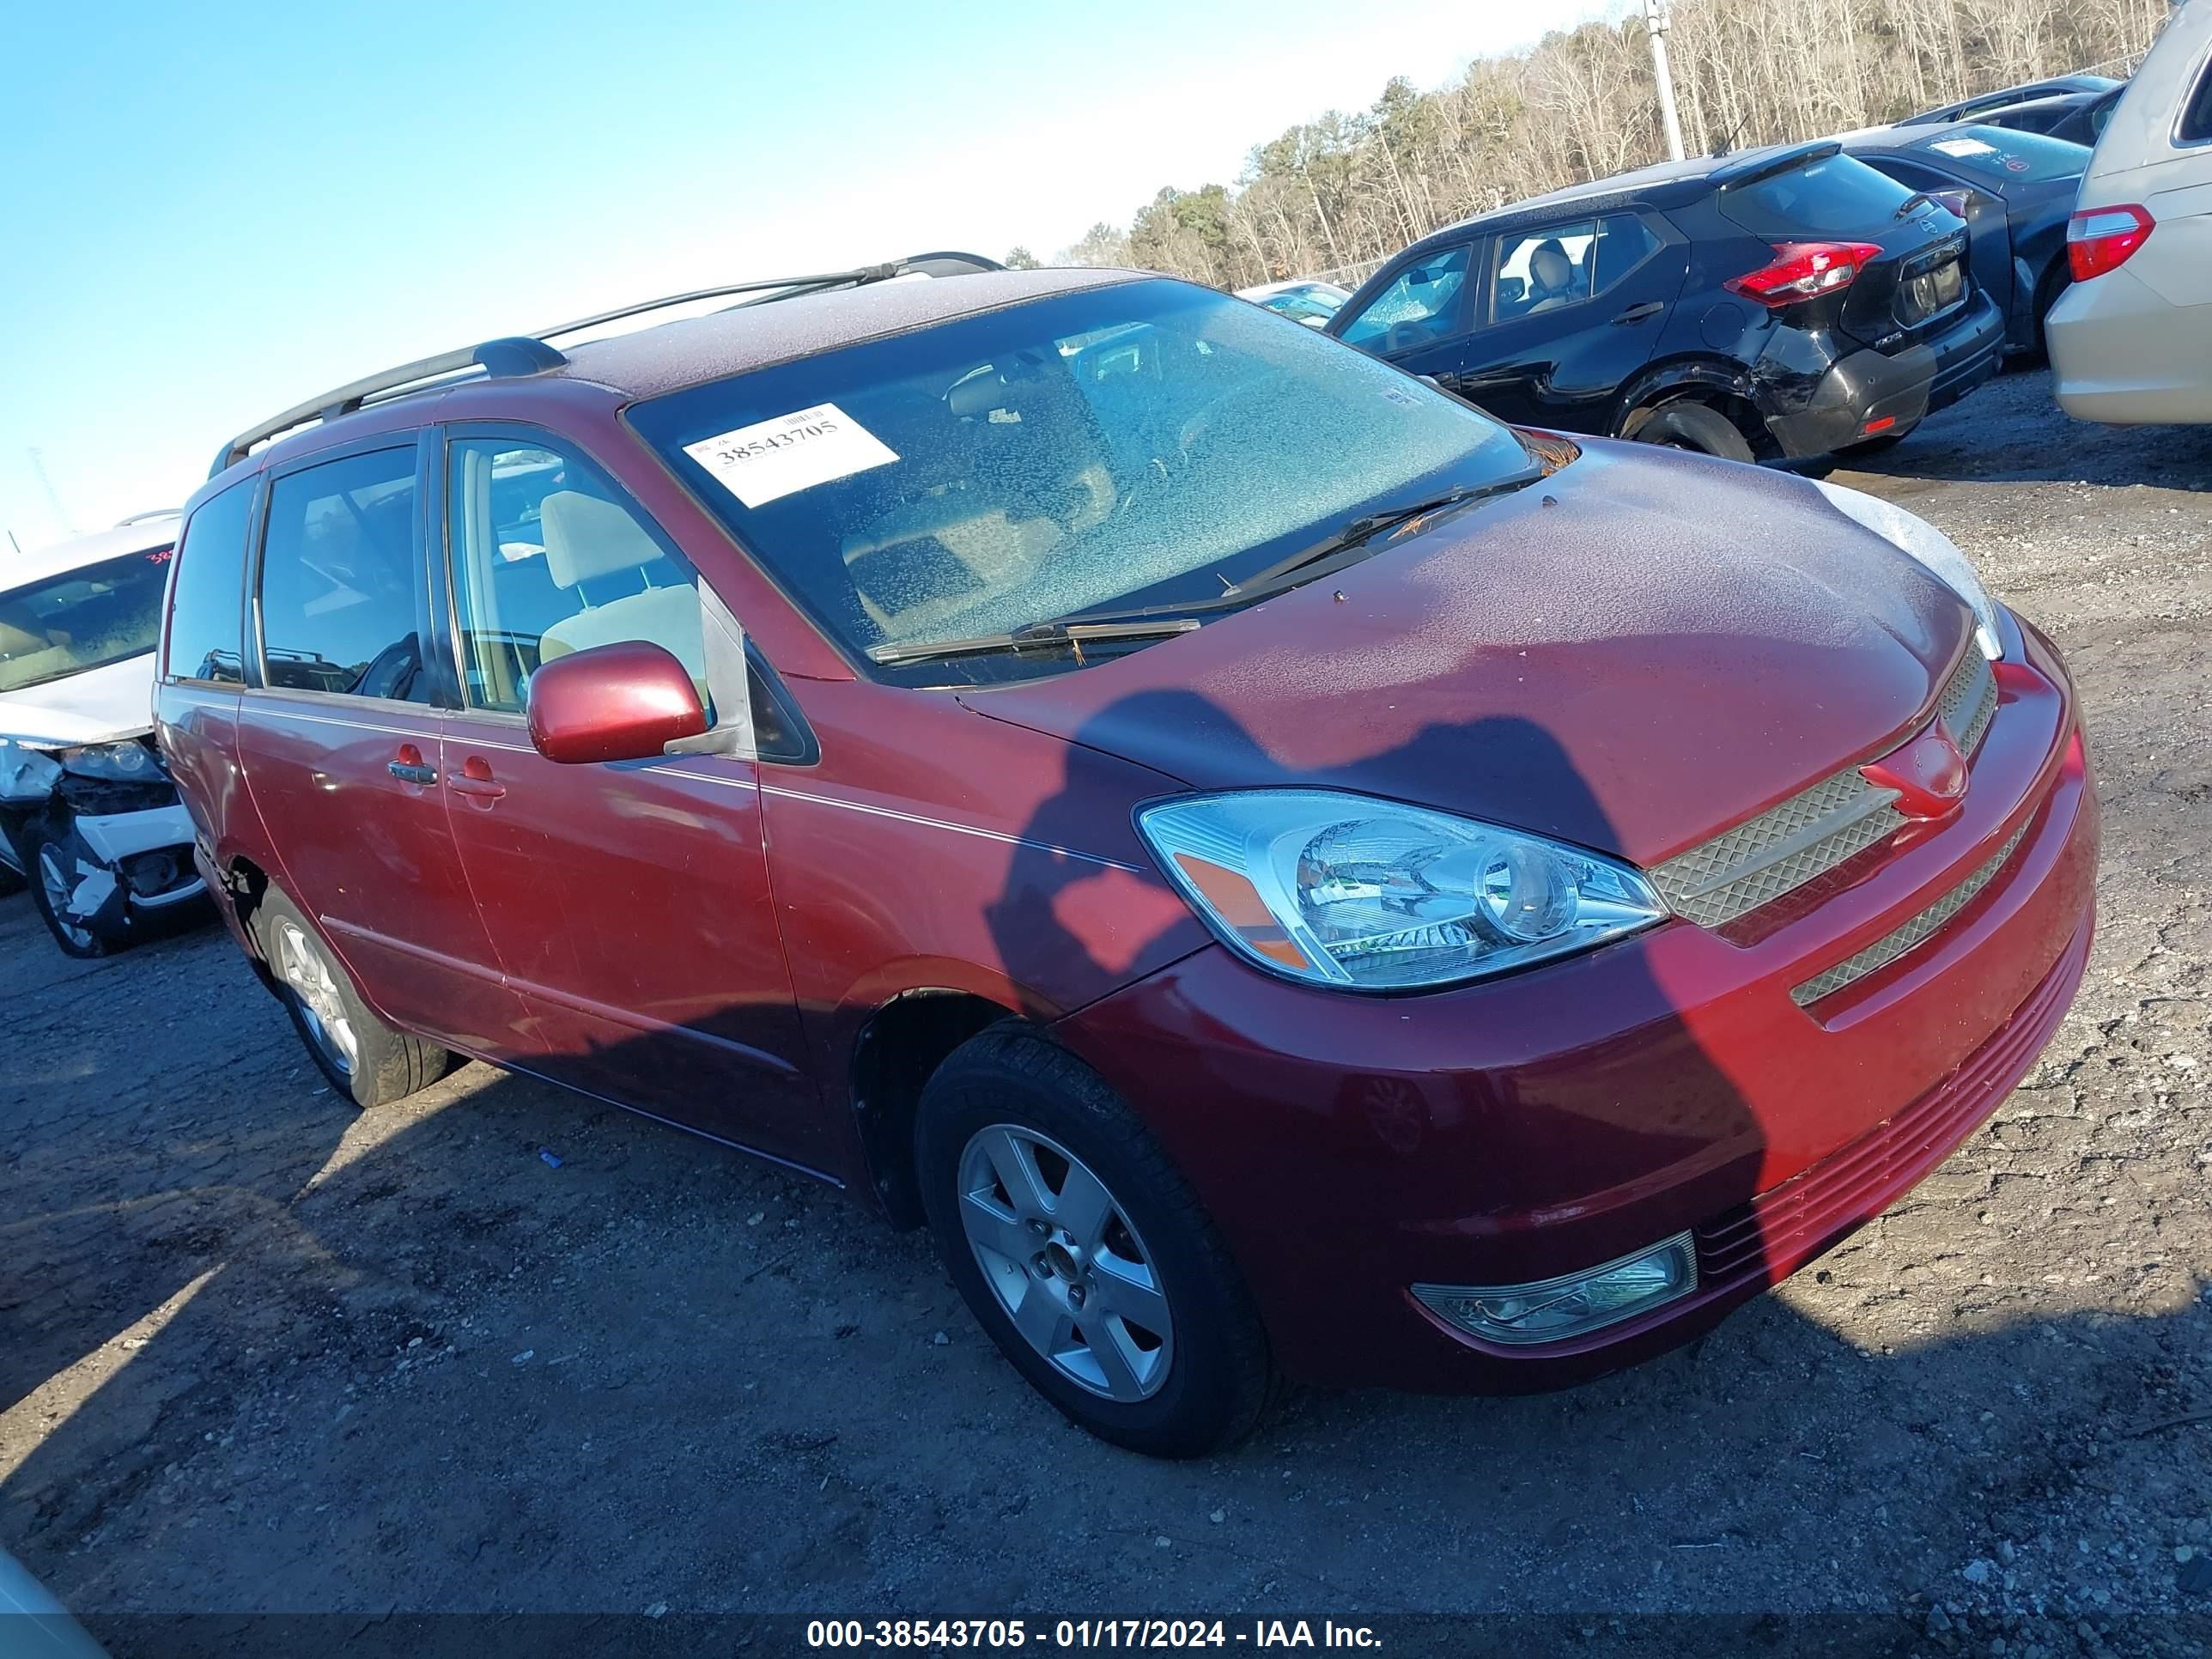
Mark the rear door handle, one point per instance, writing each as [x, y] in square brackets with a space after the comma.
[1636, 313]
[474, 779]
[409, 768]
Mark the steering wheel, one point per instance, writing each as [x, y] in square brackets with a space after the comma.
[1218, 418]
[1403, 337]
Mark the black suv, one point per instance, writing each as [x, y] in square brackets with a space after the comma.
[1778, 304]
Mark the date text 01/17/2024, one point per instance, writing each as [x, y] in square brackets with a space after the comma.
[1005, 1634]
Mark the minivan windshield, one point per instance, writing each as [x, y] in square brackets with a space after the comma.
[86, 618]
[1136, 446]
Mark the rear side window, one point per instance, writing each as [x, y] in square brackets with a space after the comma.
[2196, 123]
[338, 582]
[1998, 157]
[1835, 195]
[209, 590]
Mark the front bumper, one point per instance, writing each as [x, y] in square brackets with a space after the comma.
[1349, 1147]
[132, 863]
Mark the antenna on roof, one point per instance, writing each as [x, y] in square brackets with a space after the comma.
[517, 357]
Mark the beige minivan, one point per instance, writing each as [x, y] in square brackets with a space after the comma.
[2131, 341]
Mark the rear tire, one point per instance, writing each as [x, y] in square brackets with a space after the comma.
[1694, 427]
[1173, 1362]
[369, 1062]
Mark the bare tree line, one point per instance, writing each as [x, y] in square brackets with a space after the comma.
[1340, 194]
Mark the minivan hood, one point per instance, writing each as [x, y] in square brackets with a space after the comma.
[1632, 654]
[100, 705]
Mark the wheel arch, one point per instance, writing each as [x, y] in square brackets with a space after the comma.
[897, 1050]
[1725, 384]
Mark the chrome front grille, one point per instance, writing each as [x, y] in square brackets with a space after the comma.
[1917, 931]
[1806, 836]
[1969, 697]
[1778, 851]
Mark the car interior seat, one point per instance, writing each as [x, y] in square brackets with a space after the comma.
[587, 539]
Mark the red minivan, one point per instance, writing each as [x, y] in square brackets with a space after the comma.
[1285, 875]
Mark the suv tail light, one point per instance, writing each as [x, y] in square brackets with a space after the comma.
[2098, 240]
[1803, 271]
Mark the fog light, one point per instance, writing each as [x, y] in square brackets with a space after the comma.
[1553, 1310]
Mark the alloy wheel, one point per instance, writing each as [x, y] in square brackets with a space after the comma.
[54, 883]
[308, 976]
[1065, 1263]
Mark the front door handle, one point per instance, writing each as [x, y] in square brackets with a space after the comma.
[1636, 313]
[410, 768]
[474, 779]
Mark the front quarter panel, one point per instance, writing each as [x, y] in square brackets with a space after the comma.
[933, 849]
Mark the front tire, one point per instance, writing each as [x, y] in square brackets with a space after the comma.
[50, 855]
[369, 1062]
[1083, 1252]
[1694, 427]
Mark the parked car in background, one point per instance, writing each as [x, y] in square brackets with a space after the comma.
[2015, 191]
[2077, 117]
[2131, 341]
[1975, 108]
[1776, 304]
[88, 814]
[1303, 301]
[1284, 872]
[32, 1624]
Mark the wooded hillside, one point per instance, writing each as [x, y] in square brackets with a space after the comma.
[1338, 194]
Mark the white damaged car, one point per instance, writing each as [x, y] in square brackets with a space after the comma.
[89, 818]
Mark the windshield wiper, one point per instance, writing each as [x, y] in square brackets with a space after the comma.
[1329, 553]
[1341, 547]
[1072, 633]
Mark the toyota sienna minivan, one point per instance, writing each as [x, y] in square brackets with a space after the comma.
[1287, 876]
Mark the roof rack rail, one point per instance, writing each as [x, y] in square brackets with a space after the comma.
[516, 355]
[148, 516]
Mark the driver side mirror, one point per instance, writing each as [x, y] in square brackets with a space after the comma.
[627, 701]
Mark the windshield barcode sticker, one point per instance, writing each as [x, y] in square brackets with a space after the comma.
[769, 459]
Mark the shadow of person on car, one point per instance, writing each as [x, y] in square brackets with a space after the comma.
[1526, 1138]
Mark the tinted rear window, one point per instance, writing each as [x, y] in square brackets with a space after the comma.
[210, 592]
[1999, 156]
[2196, 123]
[1836, 196]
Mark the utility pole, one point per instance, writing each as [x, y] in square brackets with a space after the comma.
[1655, 25]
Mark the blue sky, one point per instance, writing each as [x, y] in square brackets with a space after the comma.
[210, 212]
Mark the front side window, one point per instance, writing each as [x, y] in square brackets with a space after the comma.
[86, 618]
[209, 593]
[549, 557]
[1421, 304]
[1139, 444]
[338, 583]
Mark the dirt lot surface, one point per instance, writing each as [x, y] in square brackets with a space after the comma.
[259, 1351]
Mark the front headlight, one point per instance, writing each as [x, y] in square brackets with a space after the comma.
[119, 762]
[1936, 552]
[1369, 895]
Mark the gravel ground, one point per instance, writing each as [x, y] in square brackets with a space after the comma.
[259, 1351]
